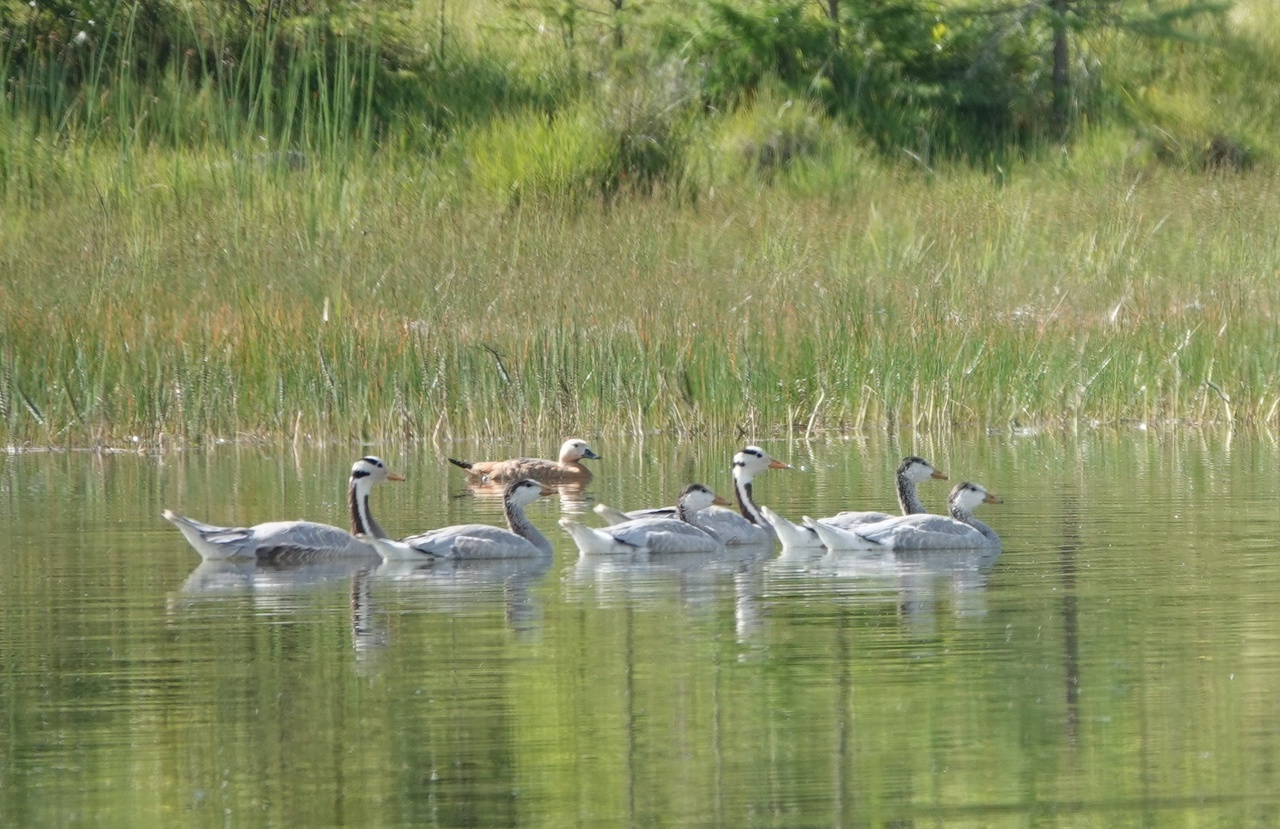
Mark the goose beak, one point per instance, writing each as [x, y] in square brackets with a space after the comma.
[394, 476]
[722, 501]
[939, 475]
[589, 454]
[992, 498]
[774, 463]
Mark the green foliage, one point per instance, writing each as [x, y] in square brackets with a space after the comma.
[774, 132]
[967, 80]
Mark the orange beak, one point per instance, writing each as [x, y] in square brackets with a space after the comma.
[777, 464]
[941, 476]
[721, 501]
[992, 498]
[394, 476]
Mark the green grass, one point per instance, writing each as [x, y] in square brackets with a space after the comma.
[904, 304]
[169, 274]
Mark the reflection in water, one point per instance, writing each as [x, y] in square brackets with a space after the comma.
[639, 577]
[1070, 614]
[787, 689]
[445, 585]
[573, 496]
[272, 581]
[917, 581]
[926, 575]
[455, 586]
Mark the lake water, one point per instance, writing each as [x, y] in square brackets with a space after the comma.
[1118, 664]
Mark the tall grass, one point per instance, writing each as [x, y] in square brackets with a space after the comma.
[386, 311]
[271, 252]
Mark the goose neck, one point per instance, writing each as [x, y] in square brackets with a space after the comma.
[746, 502]
[908, 498]
[362, 520]
[520, 524]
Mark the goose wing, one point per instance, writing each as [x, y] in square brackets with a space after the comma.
[730, 527]
[850, 519]
[473, 541]
[664, 535]
[300, 540]
[517, 468]
[924, 532]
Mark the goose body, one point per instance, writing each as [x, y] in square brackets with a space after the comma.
[958, 531]
[521, 539]
[745, 526]
[295, 540]
[911, 471]
[655, 534]
[567, 469]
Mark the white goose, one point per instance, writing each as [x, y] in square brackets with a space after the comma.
[913, 470]
[653, 534]
[296, 540]
[732, 528]
[478, 541]
[568, 469]
[959, 531]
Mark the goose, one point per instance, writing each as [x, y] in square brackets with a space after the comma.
[568, 469]
[958, 531]
[478, 541]
[911, 471]
[654, 534]
[294, 540]
[732, 528]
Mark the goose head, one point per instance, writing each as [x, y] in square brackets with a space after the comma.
[968, 496]
[522, 492]
[575, 449]
[918, 470]
[370, 470]
[753, 459]
[696, 497]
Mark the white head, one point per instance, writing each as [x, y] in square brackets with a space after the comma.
[752, 460]
[918, 470]
[370, 470]
[575, 449]
[699, 496]
[524, 491]
[968, 496]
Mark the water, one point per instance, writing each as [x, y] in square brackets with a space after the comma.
[1118, 664]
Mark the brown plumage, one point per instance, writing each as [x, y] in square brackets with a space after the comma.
[568, 468]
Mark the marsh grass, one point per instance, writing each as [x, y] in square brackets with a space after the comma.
[301, 304]
[247, 258]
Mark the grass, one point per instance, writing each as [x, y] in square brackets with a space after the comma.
[349, 287]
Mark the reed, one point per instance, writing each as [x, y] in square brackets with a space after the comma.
[378, 312]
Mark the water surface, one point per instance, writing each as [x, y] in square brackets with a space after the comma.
[1118, 664]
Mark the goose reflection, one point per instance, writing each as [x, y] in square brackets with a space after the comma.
[573, 495]
[279, 589]
[920, 584]
[461, 585]
[927, 578]
[455, 586]
[271, 582]
[642, 578]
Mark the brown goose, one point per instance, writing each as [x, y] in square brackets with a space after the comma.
[568, 469]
